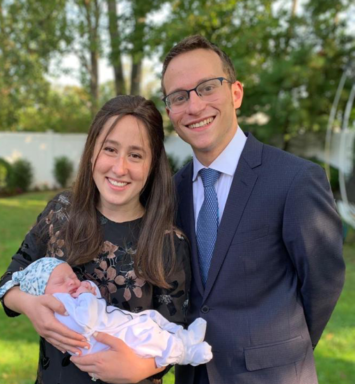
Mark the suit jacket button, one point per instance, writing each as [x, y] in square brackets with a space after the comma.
[205, 309]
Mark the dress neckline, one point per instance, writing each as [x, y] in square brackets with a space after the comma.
[105, 220]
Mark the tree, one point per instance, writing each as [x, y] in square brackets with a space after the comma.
[65, 110]
[298, 82]
[88, 45]
[32, 32]
[290, 62]
[115, 44]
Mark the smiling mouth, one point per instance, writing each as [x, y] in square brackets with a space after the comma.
[201, 123]
[117, 183]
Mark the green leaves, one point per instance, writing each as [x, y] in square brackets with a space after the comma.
[31, 32]
[289, 60]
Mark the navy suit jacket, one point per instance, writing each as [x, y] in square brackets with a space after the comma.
[276, 272]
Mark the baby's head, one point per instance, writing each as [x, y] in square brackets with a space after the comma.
[46, 275]
[62, 280]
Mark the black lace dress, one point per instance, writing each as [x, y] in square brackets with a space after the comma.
[112, 271]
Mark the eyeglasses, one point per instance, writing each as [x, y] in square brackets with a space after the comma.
[207, 90]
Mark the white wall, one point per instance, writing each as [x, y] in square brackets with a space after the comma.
[40, 149]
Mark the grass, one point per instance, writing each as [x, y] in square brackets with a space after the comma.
[335, 354]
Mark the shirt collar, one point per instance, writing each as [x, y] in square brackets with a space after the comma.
[228, 160]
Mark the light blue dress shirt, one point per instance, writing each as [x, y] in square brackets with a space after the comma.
[226, 163]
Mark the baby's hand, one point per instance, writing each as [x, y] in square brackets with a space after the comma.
[85, 287]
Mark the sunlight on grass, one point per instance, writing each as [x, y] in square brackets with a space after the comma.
[21, 203]
[18, 364]
[335, 353]
[339, 345]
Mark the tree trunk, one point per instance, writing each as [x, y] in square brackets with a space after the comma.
[94, 82]
[115, 55]
[136, 76]
[92, 17]
[137, 52]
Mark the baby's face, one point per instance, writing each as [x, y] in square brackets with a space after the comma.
[62, 280]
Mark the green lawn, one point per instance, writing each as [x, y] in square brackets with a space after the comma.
[335, 354]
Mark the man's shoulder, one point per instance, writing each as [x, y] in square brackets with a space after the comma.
[277, 153]
[281, 158]
[275, 161]
[287, 160]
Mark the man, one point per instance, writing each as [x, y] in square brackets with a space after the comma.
[265, 235]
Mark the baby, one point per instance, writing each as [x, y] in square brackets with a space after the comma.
[148, 333]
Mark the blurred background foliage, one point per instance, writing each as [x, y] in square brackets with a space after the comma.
[288, 54]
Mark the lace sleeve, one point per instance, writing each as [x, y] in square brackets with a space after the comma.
[39, 242]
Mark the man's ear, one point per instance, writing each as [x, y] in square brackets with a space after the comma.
[167, 111]
[237, 92]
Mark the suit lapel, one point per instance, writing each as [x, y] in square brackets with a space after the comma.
[187, 218]
[241, 188]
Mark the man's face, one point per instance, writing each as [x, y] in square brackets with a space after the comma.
[208, 126]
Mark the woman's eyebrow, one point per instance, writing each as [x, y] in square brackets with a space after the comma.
[136, 148]
[114, 142]
[109, 141]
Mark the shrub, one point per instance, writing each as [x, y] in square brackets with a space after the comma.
[5, 169]
[63, 170]
[20, 176]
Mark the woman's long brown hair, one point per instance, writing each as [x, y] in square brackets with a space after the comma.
[83, 234]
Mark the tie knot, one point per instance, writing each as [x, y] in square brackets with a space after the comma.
[209, 176]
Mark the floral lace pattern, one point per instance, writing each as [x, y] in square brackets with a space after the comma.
[131, 283]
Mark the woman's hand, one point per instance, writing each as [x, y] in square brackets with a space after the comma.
[119, 365]
[40, 310]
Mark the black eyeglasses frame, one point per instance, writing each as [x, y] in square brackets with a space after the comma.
[221, 79]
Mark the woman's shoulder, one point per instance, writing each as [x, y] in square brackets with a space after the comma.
[57, 208]
[60, 201]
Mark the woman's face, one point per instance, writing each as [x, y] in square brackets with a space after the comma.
[123, 162]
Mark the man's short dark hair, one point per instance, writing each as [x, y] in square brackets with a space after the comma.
[198, 42]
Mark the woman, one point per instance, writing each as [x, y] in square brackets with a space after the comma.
[115, 229]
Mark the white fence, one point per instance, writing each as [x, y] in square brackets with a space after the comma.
[40, 149]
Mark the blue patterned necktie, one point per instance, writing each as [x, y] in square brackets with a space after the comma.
[207, 222]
